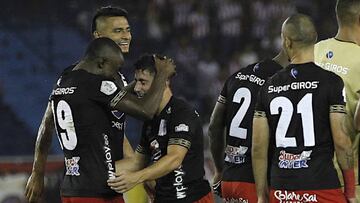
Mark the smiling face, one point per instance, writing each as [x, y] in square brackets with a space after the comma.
[116, 28]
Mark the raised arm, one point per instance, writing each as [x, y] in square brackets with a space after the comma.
[146, 107]
[35, 184]
[344, 154]
[217, 139]
[259, 155]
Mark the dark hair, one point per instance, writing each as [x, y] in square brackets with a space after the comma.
[347, 11]
[301, 28]
[102, 47]
[107, 11]
[146, 62]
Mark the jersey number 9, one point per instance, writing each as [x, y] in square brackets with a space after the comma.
[65, 121]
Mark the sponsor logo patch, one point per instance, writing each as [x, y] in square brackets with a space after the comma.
[179, 183]
[117, 125]
[182, 128]
[108, 87]
[72, 166]
[235, 155]
[233, 200]
[289, 197]
[294, 161]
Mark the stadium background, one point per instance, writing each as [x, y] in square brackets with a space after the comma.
[208, 39]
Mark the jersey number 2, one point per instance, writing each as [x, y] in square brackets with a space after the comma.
[235, 130]
[65, 121]
[304, 108]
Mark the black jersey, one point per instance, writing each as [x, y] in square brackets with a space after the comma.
[177, 124]
[118, 121]
[297, 102]
[239, 97]
[81, 106]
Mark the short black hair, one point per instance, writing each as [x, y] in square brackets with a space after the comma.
[102, 47]
[347, 11]
[146, 62]
[301, 28]
[108, 11]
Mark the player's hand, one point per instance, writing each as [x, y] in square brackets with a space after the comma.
[124, 181]
[216, 184]
[165, 65]
[34, 187]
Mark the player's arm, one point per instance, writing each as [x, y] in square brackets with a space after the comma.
[146, 107]
[128, 150]
[342, 142]
[172, 160]
[259, 154]
[130, 87]
[357, 116]
[217, 139]
[344, 153]
[35, 184]
[136, 162]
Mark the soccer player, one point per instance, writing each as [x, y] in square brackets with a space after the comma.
[231, 123]
[108, 22]
[81, 105]
[340, 55]
[173, 141]
[298, 118]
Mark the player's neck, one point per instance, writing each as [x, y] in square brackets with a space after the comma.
[305, 55]
[165, 99]
[85, 65]
[348, 34]
[281, 59]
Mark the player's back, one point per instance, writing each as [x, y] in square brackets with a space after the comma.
[82, 117]
[239, 97]
[297, 102]
[341, 57]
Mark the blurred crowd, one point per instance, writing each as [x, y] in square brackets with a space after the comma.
[209, 39]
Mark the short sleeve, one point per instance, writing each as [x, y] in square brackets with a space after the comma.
[259, 106]
[182, 128]
[223, 94]
[337, 95]
[107, 93]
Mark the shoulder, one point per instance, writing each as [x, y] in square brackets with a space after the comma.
[325, 41]
[181, 107]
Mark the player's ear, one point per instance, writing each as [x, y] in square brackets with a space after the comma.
[288, 42]
[101, 62]
[96, 34]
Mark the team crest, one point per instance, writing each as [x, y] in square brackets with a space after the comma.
[329, 55]
[117, 114]
[256, 67]
[108, 87]
[294, 73]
